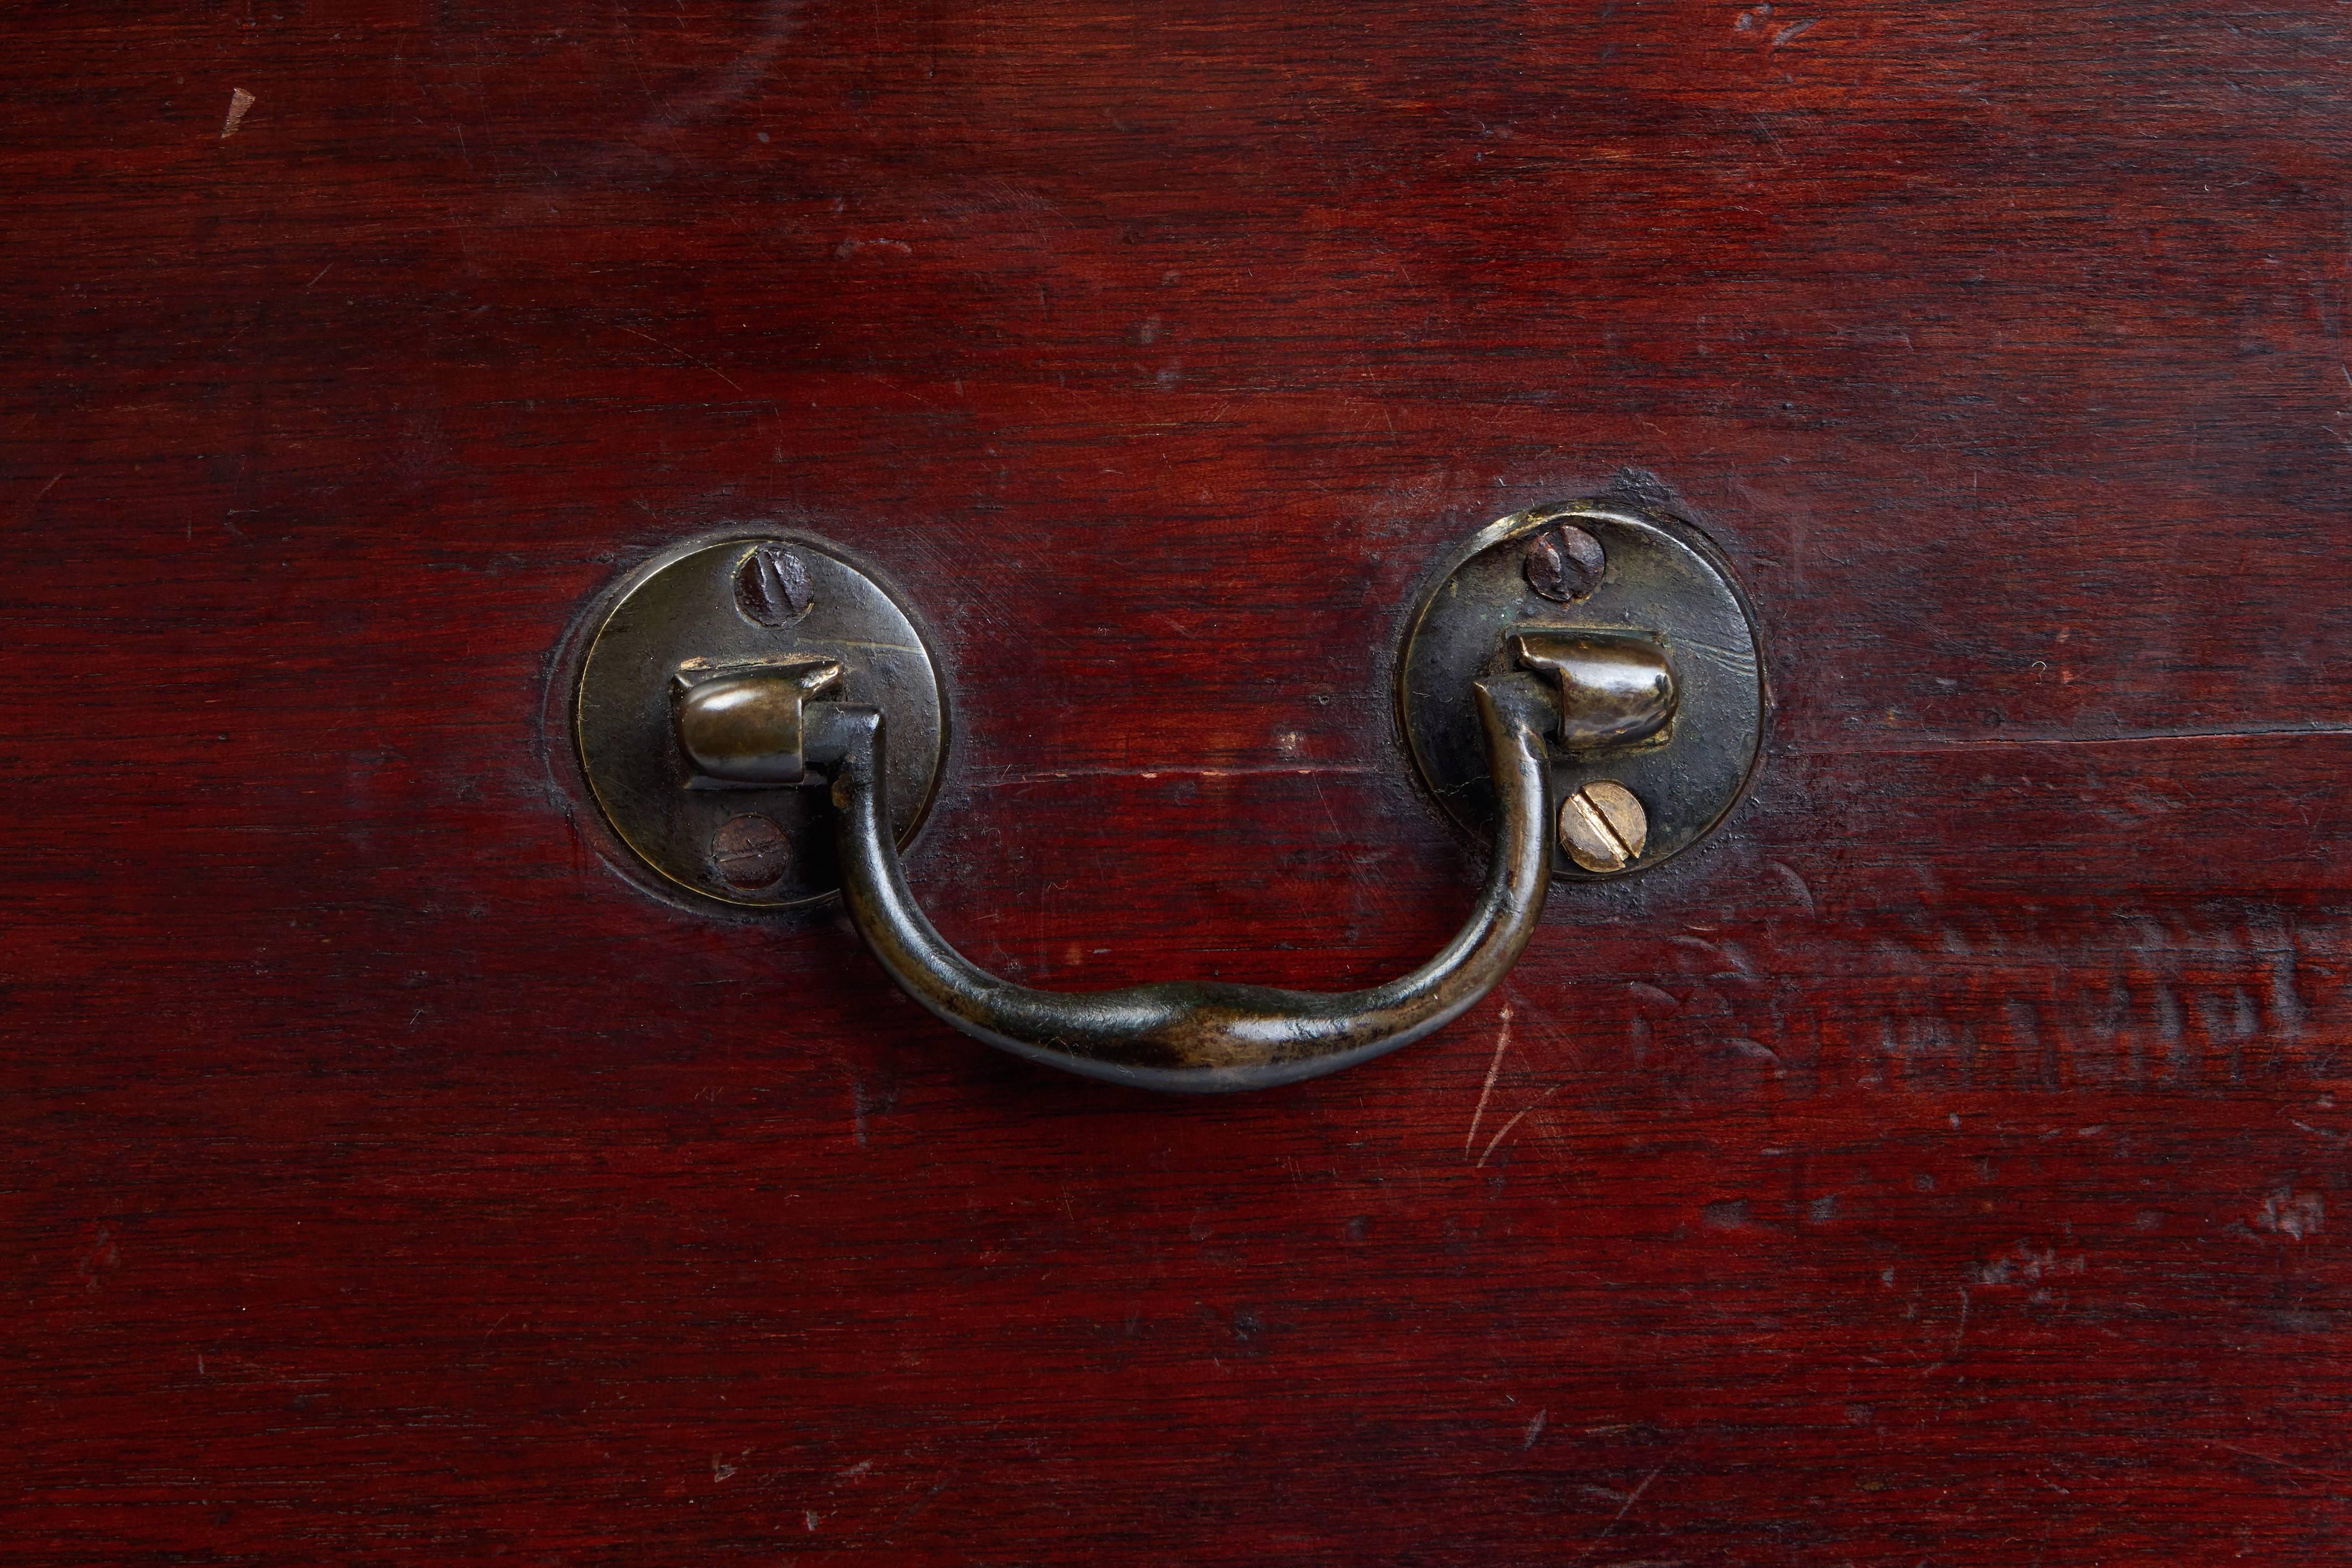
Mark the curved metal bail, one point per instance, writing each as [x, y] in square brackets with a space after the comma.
[1197, 1036]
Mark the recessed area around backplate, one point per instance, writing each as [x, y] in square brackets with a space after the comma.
[1590, 570]
[754, 603]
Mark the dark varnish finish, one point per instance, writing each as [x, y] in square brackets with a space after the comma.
[1946, 1165]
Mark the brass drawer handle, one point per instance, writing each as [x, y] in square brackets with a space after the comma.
[762, 722]
[1195, 1036]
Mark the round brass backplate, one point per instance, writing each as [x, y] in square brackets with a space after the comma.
[740, 601]
[1652, 577]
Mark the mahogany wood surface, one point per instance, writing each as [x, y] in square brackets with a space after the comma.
[1945, 1164]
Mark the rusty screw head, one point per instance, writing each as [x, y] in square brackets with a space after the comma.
[1564, 564]
[750, 853]
[1602, 827]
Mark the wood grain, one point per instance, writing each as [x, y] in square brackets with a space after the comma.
[1946, 1166]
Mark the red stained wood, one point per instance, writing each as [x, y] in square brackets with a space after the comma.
[1946, 1165]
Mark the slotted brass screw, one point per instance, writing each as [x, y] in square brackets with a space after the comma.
[1602, 827]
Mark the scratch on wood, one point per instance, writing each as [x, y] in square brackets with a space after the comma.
[2336, 1476]
[2130, 737]
[1594, 1545]
[1505, 1131]
[239, 101]
[682, 354]
[1502, 1044]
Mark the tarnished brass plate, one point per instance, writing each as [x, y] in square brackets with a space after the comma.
[749, 601]
[1662, 581]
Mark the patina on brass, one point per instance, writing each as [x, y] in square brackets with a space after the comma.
[740, 726]
[692, 699]
[1198, 1036]
[1657, 668]
[1614, 689]
[732, 678]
